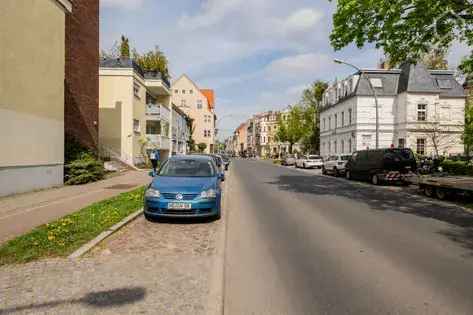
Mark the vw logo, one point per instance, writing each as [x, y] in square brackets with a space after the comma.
[179, 197]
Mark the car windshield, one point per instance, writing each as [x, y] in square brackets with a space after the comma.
[314, 157]
[345, 157]
[187, 168]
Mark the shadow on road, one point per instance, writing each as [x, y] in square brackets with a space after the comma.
[384, 200]
[98, 300]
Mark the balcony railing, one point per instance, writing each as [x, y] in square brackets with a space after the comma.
[158, 141]
[156, 75]
[158, 111]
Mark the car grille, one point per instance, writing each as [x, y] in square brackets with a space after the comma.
[172, 196]
[180, 212]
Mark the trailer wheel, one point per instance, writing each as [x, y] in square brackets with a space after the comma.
[429, 191]
[375, 179]
[440, 193]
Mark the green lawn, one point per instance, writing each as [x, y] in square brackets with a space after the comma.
[62, 237]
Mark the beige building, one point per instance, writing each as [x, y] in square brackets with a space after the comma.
[134, 112]
[199, 105]
[32, 63]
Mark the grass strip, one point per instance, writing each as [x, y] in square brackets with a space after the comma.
[63, 236]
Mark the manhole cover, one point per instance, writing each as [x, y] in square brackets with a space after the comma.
[120, 186]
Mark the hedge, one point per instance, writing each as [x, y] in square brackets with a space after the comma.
[457, 167]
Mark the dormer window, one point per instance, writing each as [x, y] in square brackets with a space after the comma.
[444, 83]
[376, 82]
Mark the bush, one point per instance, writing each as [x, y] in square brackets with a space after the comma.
[85, 169]
[457, 167]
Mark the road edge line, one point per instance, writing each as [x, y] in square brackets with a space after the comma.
[215, 299]
[105, 234]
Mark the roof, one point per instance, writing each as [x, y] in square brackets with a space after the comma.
[210, 95]
[127, 63]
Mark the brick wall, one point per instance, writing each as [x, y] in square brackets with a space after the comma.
[81, 113]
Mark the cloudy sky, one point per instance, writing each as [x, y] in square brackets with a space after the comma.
[256, 54]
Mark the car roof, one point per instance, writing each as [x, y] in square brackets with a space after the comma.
[191, 157]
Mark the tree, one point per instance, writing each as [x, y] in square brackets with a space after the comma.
[436, 60]
[311, 101]
[191, 141]
[468, 131]
[153, 60]
[124, 47]
[202, 146]
[291, 130]
[407, 29]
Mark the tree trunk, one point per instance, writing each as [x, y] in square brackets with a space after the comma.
[290, 147]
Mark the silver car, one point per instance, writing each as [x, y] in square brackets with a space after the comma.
[335, 164]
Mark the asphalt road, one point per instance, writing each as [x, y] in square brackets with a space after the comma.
[305, 244]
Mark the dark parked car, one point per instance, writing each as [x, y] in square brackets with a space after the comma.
[382, 165]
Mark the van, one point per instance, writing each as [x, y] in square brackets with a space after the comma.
[382, 165]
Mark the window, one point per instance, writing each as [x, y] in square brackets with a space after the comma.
[401, 143]
[136, 90]
[183, 103]
[336, 121]
[269, 128]
[199, 104]
[343, 119]
[324, 125]
[191, 91]
[444, 84]
[342, 148]
[330, 147]
[330, 123]
[183, 91]
[421, 146]
[366, 141]
[349, 146]
[349, 116]
[176, 91]
[335, 146]
[153, 127]
[376, 82]
[422, 112]
[136, 125]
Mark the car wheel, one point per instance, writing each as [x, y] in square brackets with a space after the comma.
[335, 172]
[375, 179]
[218, 216]
[304, 166]
[324, 171]
[348, 175]
[149, 218]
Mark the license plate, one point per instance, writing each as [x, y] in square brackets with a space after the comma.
[179, 206]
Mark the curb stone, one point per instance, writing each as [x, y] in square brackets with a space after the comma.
[105, 234]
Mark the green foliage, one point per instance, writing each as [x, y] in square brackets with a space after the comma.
[62, 237]
[124, 47]
[191, 141]
[311, 101]
[436, 60]
[85, 169]
[468, 131]
[406, 30]
[202, 146]
[292, 129]
[73, 149]
[457, 167]
[153, 60]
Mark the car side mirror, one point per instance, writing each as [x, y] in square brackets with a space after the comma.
[221, 176]
[151, 174]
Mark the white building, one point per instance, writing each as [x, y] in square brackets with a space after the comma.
[180, 131]
[418, 108]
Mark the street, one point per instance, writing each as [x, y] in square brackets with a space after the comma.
[299, 243]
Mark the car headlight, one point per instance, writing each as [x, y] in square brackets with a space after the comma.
[208, 194]
[152, 193]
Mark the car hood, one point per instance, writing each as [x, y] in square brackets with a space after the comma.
[183, 184]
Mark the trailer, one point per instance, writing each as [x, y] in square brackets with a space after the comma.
[443, 185]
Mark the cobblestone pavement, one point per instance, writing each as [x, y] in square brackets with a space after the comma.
[146, 268]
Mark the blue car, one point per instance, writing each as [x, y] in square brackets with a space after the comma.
[185, 186]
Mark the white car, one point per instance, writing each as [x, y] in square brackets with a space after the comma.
[310, 161]
[335, 164]
[289, 160]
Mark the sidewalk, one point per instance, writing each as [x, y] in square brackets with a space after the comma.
[21, 213]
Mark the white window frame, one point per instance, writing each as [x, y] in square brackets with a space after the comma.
[136, 126]
[421, 111]
[421, 144]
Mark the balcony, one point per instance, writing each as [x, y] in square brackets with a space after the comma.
[157, 111]
[156, 83]
[158, 141]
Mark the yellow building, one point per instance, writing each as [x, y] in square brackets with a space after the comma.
[32, 73]
[134, 112]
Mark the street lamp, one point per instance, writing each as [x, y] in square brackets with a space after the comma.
[372, 89]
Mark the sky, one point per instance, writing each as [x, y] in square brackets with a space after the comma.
[256, 54]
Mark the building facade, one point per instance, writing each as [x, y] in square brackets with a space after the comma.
[199, 105]
[180, 131]
[418, 108]
[134, 112]
[32, 94]
[81, 112]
